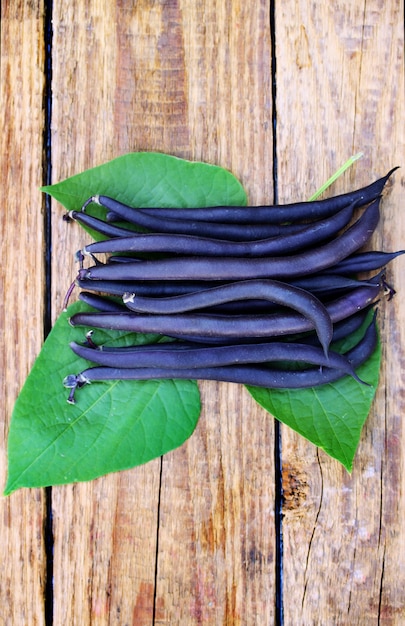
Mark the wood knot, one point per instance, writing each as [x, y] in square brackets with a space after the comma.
[295, 487]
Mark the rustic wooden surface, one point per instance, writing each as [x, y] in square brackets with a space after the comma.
[190, 539]
[22, 517]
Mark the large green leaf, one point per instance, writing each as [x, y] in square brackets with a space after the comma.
[112, 426]
[115, 425]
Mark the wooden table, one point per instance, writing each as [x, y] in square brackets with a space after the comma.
[215, 532]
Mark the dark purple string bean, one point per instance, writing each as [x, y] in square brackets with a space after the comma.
[274, 291]
[234, 268]
[200, 326]
[231, 232]
[214, 356]
[254, 375]
[204, 246]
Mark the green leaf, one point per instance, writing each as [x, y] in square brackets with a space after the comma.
[112, 427]
[330, 416]
[150, 179]
[115, 425]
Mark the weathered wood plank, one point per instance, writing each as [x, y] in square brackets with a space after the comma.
[105, 545]
[106, 575]
[217, 500]
[216, 560]
[21, 287]
[171, 73]
[340, 90]
[193, 79]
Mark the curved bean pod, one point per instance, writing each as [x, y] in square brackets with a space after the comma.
[274, 291]
[207, 326]
[105, 304]
[234, 268]
[254, 292]
[254, 375]
[204, 246]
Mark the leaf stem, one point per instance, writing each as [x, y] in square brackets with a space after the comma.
[336, 175]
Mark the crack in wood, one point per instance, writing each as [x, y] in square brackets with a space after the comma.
[313, 531]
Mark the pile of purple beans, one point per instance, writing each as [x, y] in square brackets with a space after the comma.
[252, 295]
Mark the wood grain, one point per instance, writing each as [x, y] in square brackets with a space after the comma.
[340, 80]
[152, 72]
[21, 288]
[217, 498]
[217, 518]
[105, 531]
[190, 539]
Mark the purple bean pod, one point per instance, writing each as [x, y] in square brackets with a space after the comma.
[214, 356]
[209, 326]
[253, 375]
[203, 246]
[235, 268]
[274, 291]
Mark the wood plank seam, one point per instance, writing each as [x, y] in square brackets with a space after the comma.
[47, 322]
[278, 460]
